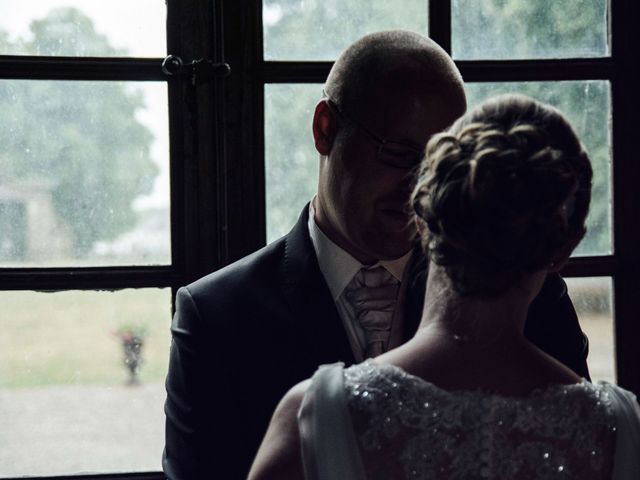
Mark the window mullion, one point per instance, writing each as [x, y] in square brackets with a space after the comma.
[626, 178]
[80, 68]
[440, 23]
[197, 181]
[536, 70]
[244, 129]
[596, 266]
[98, 278]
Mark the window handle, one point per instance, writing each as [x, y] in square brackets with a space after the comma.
[200, 70]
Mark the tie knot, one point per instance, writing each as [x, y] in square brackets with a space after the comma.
[373, 289]
[373, 293]
[375, 277]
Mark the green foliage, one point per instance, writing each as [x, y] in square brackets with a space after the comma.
[321, 29]
[68, 31]
[81, 138]
[525, 29]
[291, 163]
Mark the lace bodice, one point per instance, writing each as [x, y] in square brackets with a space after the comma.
[407, 428]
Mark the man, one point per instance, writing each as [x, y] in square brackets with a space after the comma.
[346, 283]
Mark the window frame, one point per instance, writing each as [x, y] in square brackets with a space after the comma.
[196, 166]
[217, 151]
[622, 265]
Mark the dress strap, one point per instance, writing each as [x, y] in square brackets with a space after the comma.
[328, 442]
[626, 463]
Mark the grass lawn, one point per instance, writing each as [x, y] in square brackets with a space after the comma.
[67, 337]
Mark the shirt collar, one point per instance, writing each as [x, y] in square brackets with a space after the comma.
[337, 266]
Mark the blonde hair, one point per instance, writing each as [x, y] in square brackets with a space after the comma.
[499, 193]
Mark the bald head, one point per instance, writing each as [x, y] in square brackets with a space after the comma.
[393, 59]
[390, 92]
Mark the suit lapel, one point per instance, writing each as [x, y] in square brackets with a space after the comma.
[315, 316]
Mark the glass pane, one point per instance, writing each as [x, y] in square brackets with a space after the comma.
[501, 29]
[587, 104]
[291, 160]
[83, 173]
[592, 299]
[320, 30]
[83, 28]
[68, 400]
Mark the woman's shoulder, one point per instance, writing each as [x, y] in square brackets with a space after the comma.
[627, 412]
[279, 454]
[624, 403]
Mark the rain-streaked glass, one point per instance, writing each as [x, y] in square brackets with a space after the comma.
[518, 29]
[320, 30]
[591, 297]
[82, 381]
[82, 28]
[291, 161]
[83, 173]
[587, 105]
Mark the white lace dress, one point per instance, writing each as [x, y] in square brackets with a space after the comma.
[373, 421]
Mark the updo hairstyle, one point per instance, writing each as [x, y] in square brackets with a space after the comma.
[501, 192]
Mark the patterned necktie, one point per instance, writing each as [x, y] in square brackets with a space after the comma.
[373, 293]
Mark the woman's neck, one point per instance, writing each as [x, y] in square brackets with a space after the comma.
[477, 343]
[476, 321]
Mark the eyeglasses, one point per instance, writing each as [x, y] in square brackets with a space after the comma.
[394, 154]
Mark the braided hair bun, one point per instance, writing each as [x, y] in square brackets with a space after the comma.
[503, 190]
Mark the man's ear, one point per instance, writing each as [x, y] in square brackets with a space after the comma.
[324, 127]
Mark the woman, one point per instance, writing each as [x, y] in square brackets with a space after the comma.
[501, 200]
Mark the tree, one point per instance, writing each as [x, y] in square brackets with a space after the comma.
[82, 137]
[321, 29]
[524, 29]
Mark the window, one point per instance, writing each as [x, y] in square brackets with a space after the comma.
[94, 218]
[570, 55]
[99, 225]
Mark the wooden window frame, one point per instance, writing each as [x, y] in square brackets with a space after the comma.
[197, 207]
[217, 152]
[623, 265]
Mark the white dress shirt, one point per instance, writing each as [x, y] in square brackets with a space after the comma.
[338, 269]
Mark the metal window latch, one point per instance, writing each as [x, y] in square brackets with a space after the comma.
[200, 70]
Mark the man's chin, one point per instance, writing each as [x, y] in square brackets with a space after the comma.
[394, 222]
[389, 245]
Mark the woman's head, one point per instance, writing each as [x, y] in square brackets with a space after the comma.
[504, 192]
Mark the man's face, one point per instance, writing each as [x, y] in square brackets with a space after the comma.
[363, 196]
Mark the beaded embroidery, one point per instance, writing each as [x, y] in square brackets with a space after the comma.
[408, 428]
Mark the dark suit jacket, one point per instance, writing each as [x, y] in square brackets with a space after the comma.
[244, 335]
